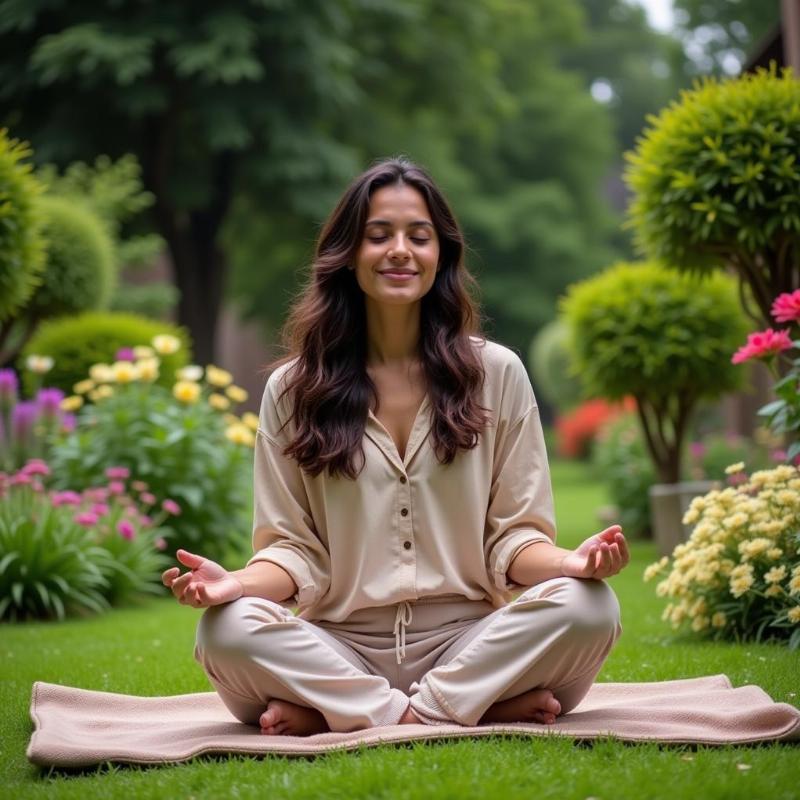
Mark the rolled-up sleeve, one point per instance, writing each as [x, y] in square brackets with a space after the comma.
[521, 499]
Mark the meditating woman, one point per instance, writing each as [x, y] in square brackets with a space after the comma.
[402, 495]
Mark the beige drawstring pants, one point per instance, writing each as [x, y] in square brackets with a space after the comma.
[449, 657]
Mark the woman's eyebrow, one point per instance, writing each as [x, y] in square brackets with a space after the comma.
[415, 224]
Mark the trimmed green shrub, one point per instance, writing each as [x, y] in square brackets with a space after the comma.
[21, 242]
[716, 183]
[80, 272]
[662, 337]
[548, 360]
[76, 343]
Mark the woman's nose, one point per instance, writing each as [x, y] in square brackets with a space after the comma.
[399, 248]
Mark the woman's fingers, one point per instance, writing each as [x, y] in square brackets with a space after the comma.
[179, 584]
[623, 548]
[169, 575]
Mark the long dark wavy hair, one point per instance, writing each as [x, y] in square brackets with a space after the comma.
[326, 331]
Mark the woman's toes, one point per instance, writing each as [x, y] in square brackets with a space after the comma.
[272, 716]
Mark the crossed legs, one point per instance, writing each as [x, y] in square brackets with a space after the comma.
[529, 661]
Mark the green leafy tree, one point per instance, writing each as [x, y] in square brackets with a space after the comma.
[663, 338]
[716, 184]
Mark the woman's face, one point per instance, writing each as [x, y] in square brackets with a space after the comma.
[397, 260]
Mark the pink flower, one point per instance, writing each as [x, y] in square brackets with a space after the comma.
[20, 479]
[37, 486]
[36, 467]
[116, 487]
[101, 509]
[697, 449]
[762, 344]
[161, 543]
[786, 307]
[140, 486]
[67, 498]
[171, 507]
[126, 529]
[147, 498]
[118, 473]
[86, 518]
[145, 521]
[97, 494]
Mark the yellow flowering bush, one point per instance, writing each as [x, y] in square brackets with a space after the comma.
[738, 575]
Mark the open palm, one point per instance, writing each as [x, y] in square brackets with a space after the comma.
[600, 556]
[206, 584]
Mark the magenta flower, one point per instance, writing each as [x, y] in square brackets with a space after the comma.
[67, 498]
[786, 307]
[23, 418]
[48, 402]
[68, 422]
[697, 449]
[20, 479]
[145, 521]
[116, 487]
[762, 344]
[171, 507]
[101, 509]
[86, 518]
[118, 473]
[147, 498]
[36, 466]
[126, 529]
[125, 354]
[9, 383]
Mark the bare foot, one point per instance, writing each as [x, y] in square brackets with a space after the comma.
[537, 705]
[410, 718]
[289, 719]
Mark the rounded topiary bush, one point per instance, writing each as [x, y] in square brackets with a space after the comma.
[716, 182]
[664, 338]
[75, 343]
[80, 272]
[21, 242]
[548, 359]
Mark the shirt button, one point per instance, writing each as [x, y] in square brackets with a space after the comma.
[407, 545]
[403, 479]
[404, 512]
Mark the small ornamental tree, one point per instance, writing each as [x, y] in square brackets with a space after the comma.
[663, 338]
[21, 243]
[716, 183]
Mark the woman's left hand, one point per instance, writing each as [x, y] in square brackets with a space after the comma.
[600, 556]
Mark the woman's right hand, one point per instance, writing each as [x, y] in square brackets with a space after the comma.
[206, 584]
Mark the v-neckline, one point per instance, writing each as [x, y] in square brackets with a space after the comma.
[415, 437]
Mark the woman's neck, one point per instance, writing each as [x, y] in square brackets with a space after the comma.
[392, 335]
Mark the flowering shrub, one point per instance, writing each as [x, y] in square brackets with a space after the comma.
[710, 456]
[65, 552]
[181, 445]
[783, 414]
[27, 427]
[738, 576]
[577, 429]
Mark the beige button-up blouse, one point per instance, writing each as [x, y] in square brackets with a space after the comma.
[406, 528]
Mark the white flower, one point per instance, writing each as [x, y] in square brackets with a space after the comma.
[39, 364]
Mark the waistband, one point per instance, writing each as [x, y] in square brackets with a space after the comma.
[402, 618]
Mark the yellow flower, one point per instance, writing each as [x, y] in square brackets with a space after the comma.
[794, 614]
[774, 553]
[165, 344]
[143, 351]
[700, 623]
[237, 394]
[190, 373]
[773, 591]
[219, 402]
[735, 521]
[718, 619]
[786, 497]
[101, 393]
[186, 391]
[101, 373]
[148, 369]
[776, 574]
[39, 364]
[649, 573]
[218, 377]
[240, 434]
[231, 419]
[81, 387]
[251, 420]
[124, 371]
[737, 467]
[794, 585]
[71, 403]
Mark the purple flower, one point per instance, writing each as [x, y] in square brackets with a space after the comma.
[9, 383]
[23, 417]
[125, 354]
[67, 498]
[86, 518]
[67, 423]
[118, 473]
[171, 507]
[126, 529]
[49, 402]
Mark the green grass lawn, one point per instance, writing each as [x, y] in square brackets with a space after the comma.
[147, 650]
